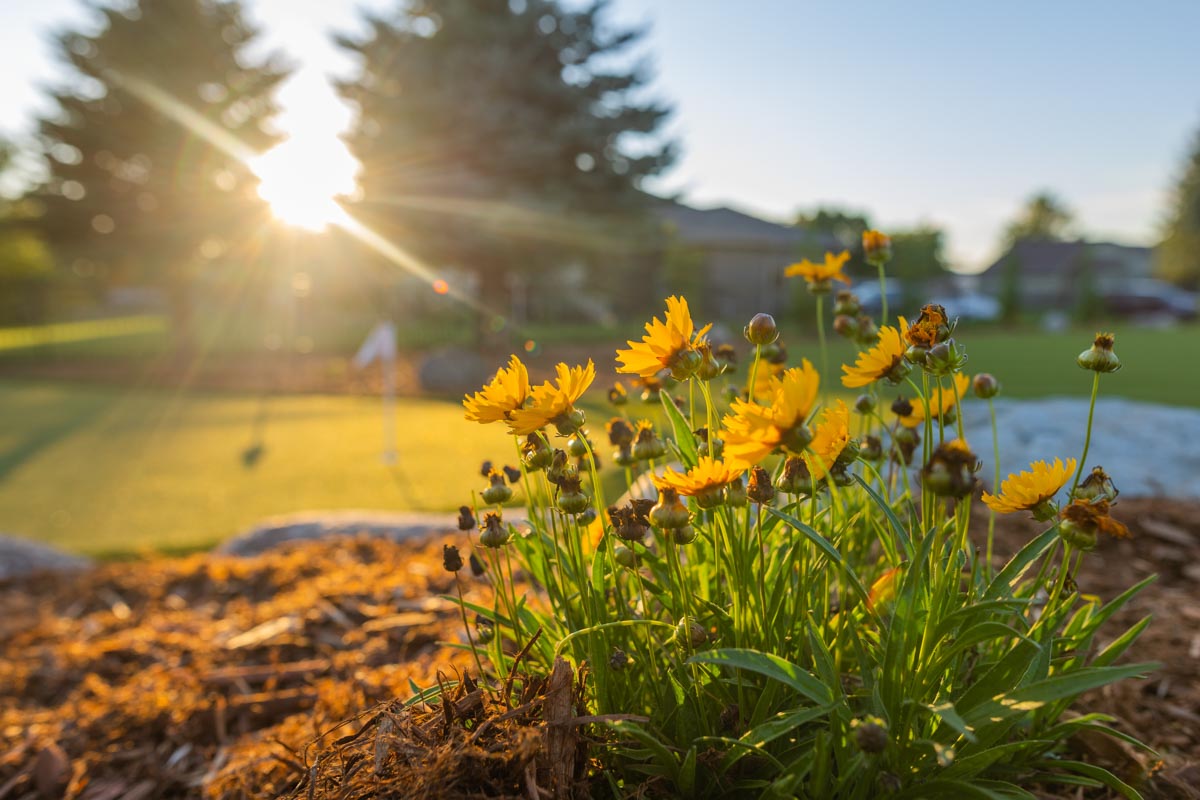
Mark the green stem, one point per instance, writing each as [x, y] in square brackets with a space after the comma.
[995, 483]
[1087, 441]
[821, 339]
[754, 372]
[883, 296]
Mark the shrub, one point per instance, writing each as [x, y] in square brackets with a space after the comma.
[801, 610]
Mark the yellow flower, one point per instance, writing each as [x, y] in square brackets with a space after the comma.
[669, 345]
[554, 402]
[880, 361]
[767, 371]
[877, 247]
[942, 401]
[505, 394]
[707, 476]
[1027, 491]
[753, 431]
[829, 439]
[821, 274]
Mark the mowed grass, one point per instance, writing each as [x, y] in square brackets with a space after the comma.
[109, 471]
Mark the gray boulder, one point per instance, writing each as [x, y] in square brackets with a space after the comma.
[20, 557]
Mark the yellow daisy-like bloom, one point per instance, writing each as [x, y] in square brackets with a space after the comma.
[708, 475]
[1025, 491]
[880, 360]
[762, 379]
[942, 400]
[829, 439]
[829, 270]
[753, 431]
[506, 393]
[669, 345]
[553, 402]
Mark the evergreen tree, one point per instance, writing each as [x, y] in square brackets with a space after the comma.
[132, 194]
[505, 136]
[1178, 256]
[1043, 216]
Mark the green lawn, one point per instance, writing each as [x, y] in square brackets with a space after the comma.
[107, 471]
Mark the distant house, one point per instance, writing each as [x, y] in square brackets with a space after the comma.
[1052, 275]
[737, 260]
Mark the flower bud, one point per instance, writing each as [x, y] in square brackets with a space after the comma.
[773, 353]
[1097, 485]
[870, 448]
[796, 479]
[477, 567]
[651, 388]
[986, 386]
[760, 489]
[619, 660]
[761, 330]
[846, 303]
[708, 445]
[585, 518]
[870, 735]
[624, 556]
[558, 467]
[574, 501]
[570, 422]
[648, 446]
[451, 558]
[898, 372]
[536, 452]
[1078, 535]
[944, 358]
[685, 363]
[710, 497]
[877, 248]
[669, 512]
[902, 407]
[485, 630]
[617, 395]
[498, 492]
[691, 632]
[577, 446]
[845, 326]
[915, 354]
[796, 438]
[951, 470]
[1100, 356]
[623, 456]
[864, 404]
[684, 535]
[494, 533]
[735, 493]
[868, 331]
[485, 469]
[512, 473]
[466, 520]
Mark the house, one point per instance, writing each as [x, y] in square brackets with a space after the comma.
[1053, 275]
[735, 261]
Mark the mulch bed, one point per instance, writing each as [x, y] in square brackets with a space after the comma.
[284, 675]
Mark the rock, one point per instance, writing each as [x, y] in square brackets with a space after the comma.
[23, 557]
[309, 525]
[1148, 449]
[453, 370]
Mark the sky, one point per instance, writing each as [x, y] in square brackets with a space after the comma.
[947, 113]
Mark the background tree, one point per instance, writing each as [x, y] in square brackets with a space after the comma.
[131, 193]
[845, 226]
[505, 136]
[1177, 258]
[26, 270]
[1044, 216]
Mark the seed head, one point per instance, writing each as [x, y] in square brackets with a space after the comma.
[1100, 356]
[466, 520]
[451, 558]
[760, 489]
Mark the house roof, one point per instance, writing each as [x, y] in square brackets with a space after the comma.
[1049, 257]
[729, 228]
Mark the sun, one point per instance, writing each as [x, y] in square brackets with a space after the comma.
[302, 178]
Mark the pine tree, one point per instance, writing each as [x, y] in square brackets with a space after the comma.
[1178, 257]
[500, 136]
[133, 195]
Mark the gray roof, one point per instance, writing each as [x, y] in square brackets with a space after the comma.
[728, 228]
[1049, 257]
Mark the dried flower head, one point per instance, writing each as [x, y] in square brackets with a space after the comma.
[466, 519]
[932, 327]
[1100, 356]
[951, 470]
[451, 558]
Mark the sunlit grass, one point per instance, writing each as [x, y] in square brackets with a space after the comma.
[106, 471]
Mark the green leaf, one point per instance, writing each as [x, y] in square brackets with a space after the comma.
[781, 724]
[946, 713]
[1059, 687]
[1007, 578]
[893, 520]
[685, 440]
[825, 546]
[1095, 773]
[1114, 650]
[769, 666]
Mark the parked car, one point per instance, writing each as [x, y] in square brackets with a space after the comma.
[1151, 298]
[869, 296]
[971, 306]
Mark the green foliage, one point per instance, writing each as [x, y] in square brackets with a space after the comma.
[844, 642]
[1010, 288]
[131, 193]
[918, 255]
[500, 137]
[1043, 217]
[1177, 258]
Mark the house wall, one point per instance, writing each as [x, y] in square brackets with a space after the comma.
[742, 283]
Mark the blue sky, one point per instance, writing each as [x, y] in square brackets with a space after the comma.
[945, 112]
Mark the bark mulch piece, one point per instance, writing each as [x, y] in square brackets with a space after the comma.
[285, 674]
